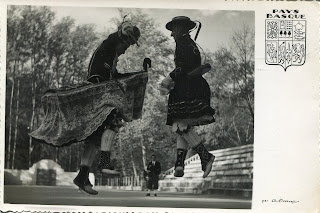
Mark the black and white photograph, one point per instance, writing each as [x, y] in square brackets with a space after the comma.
[129, 107]
[159, 107]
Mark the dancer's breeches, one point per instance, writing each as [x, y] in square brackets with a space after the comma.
[89, 152]
[110, 131]
[102, 138]
[91, 147]
[189, 135]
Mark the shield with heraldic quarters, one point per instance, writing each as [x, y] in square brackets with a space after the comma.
[285, 42]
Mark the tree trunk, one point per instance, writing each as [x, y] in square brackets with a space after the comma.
[70, 159]
[10, 124]
[16, 127]
[144, 156]
[248, 135]
[134, 166]
[122, 162]
[237, 131]
[57, 153]
[233, 121]
[32, 121]
[34, 83]
[247, 99]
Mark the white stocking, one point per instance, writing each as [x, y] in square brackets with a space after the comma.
[191, 137]
[182, 143]
[107, 139]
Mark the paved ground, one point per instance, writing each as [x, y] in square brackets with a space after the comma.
[59, 195]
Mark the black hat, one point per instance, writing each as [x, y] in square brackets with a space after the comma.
[182, 21]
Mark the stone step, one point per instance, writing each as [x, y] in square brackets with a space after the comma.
[247, 185]
[181, 183]
[217, 162]
[244, 193]
[221, 155]
[249, 146]
[207, 184]
[231, 174]
[217, 167]
[235, 172]
[221, 191]
[224, 179]
[236, 156]
[194, 190]
[245, 155]
[233, 161]
[218, 170]
[231, 152]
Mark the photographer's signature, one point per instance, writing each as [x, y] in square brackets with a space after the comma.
[280, 201]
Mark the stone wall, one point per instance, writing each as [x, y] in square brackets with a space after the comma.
[44, 172]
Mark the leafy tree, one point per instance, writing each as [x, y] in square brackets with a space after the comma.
[41, 55]
[232, 87]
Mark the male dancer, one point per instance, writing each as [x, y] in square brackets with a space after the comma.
[102, 68]
[189, 96]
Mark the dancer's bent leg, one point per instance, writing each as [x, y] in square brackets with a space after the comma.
[107, 140]
[182, 149]
[87, 158]
[195, 141]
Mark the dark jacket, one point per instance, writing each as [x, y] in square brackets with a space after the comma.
[101, 61]
[187, 57]
[155, 170]
[190, 97]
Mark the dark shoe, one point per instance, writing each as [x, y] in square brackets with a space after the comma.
[155, 195]
[148, 194]
[206, 159]
[207, 166]
[85, 186]
[178, 171]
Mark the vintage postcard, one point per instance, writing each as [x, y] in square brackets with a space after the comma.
[159, 106]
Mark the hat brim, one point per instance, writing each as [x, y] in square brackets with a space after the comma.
[187, 24]
[133, 40]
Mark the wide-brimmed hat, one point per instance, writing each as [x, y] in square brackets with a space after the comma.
[129, 34]
[181, 21]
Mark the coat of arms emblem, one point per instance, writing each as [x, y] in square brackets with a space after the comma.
[285, 42]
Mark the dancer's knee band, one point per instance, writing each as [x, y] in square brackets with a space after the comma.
[185, 131]
[181, 143]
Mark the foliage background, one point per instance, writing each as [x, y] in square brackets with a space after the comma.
[44, 53]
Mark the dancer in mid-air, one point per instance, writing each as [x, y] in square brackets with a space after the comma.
[102, 68]
[94, 112]
[189, 96]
